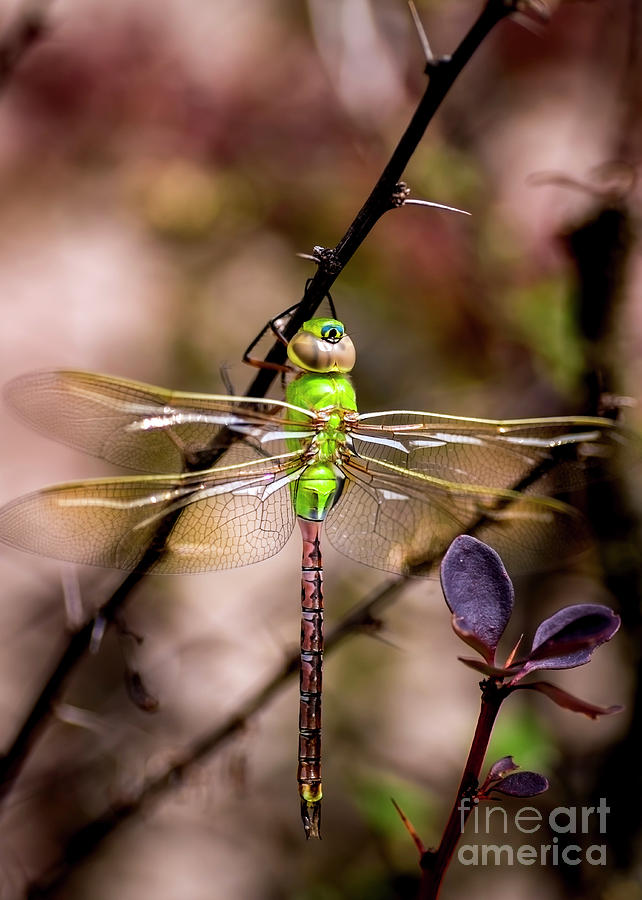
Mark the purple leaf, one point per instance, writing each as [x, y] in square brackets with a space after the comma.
[522, 784]
[502, 767]
[569, 637]
[568, 701]
[488, 668]
[496, 773]
[478, 592]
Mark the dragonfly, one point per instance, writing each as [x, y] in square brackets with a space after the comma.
[389, 489]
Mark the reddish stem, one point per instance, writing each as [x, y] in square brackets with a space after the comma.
[435, 862]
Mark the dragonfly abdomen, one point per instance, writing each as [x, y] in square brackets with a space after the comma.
[310, 681]
[316, 490]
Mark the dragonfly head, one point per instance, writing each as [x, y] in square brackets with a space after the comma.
[322, 345]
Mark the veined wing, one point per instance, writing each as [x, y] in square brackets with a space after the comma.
[217, 519]
[403, 521]
[147, 428]
[488, 452]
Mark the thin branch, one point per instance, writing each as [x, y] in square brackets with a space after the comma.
[363, 617]
[442, 74]
[26, 30]
[435, 862]
[602, 249]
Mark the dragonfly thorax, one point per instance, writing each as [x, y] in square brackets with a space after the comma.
[331, 397]
[321, 392]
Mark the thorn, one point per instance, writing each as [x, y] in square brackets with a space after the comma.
[421, 31]
[316, 255]
[410, 828]
[100, 625]
[326, 258]
[138, 693]
[79, 718]
[435, 206]
[72, 597]
[511, 655]
[535, 27]
[537, 9]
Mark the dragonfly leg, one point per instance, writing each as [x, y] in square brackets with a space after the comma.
[225, 378]
[272, 326]
[309, 770]
[277, 331]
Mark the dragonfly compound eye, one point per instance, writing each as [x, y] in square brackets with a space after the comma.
[322, 354]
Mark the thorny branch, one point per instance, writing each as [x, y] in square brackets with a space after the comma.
[442, 73]
[363, 617]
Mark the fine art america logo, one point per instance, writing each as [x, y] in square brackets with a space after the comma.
[546, 849]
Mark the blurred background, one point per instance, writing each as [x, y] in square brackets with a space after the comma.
[161, 165]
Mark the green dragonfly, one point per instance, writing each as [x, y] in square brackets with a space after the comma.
[390, 489]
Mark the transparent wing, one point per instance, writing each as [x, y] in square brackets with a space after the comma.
[217, 519]
[496, 454]
[403, 522]
[147, 428]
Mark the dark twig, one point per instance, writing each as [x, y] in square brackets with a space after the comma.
[11, 764]
[602, 249]
[364, 617]
[83, 843]
[442, 74]
[25, 31]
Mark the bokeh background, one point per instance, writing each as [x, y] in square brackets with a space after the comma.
[161, 165]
